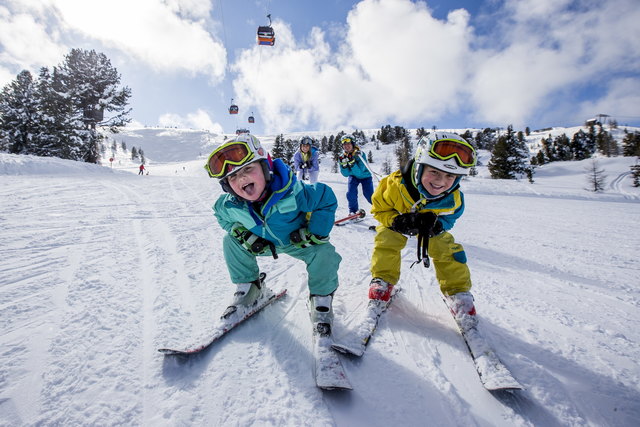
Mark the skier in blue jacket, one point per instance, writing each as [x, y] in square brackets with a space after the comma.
[267, 211]
[305, 161]
[354, 166]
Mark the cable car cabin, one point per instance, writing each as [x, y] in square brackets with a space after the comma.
[266, 36]
[233, 109]
[251, 119]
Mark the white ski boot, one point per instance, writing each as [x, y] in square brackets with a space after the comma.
[245, 297]
[321, 313]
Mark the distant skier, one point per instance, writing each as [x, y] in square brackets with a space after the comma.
[305, 161]
[354, 166]
[266, 212]
[424, 199]
[141, 172]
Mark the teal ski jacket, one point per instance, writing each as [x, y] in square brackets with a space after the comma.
[289, 206]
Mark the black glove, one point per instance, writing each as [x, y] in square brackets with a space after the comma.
[303, 238]
[436, 229]
[413, 223]
[251, 242]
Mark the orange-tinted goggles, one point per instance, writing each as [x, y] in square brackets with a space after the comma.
[445, 149]
[235, 153]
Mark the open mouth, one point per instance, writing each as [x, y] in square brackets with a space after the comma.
[249, 188]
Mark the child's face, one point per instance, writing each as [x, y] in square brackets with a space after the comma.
[305, 148]
[248, 182]
[347, 147]
[435, 181]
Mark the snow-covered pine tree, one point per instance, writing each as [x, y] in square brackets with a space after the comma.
[509, 158]
[631, 144]
[277, 151]
[580, 145]
[19, 115]
[92, 86]
[563, 147]
[635, 173]
[57, 135]
[486, 139]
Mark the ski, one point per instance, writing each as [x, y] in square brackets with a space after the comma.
[328, 369]
[356, 216]
[494, 375]
[357, 343]
[224, 326]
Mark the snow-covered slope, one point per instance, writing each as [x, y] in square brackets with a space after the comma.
[100, 267]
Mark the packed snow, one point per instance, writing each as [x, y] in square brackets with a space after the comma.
[100, 267]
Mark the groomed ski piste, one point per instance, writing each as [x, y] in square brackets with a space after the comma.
[100, 267]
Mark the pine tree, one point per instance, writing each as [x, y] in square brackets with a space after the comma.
[324, 145]
[403, 151]
[631, 144]
[19, 114]
[580, 146]
[635, 172]
[509, 157]
[605, 142]
[595, 177]
[563, 147]
[92, 86]
[370, 157]
[277, 151]
[486, 139]
[386, 167]
[290, 148]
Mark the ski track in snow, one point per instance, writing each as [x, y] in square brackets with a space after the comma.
[99, 270]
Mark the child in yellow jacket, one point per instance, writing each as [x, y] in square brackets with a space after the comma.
[424, 200]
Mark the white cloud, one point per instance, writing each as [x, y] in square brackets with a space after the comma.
[161, 34]
[396, 63]
[170, 36]
[198, 120]
[622, 102]
[26, 43]
[546, 50]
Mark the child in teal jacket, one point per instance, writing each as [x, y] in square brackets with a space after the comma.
[267, 211]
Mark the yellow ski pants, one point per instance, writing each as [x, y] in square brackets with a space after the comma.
[449, 260]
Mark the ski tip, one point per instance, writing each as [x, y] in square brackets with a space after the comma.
[172, 352]
[348, 350]
[510, 388]
[335, 387]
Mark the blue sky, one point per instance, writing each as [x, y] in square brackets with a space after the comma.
[342, 64]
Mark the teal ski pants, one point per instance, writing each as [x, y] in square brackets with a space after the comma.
[322, 264]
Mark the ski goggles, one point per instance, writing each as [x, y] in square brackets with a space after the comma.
[346, 140]
[445, 149]
[306, 141]
[234, 153]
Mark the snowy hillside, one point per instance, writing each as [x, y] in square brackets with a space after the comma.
[99, 267]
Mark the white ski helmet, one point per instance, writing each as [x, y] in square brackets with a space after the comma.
[448, 152]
